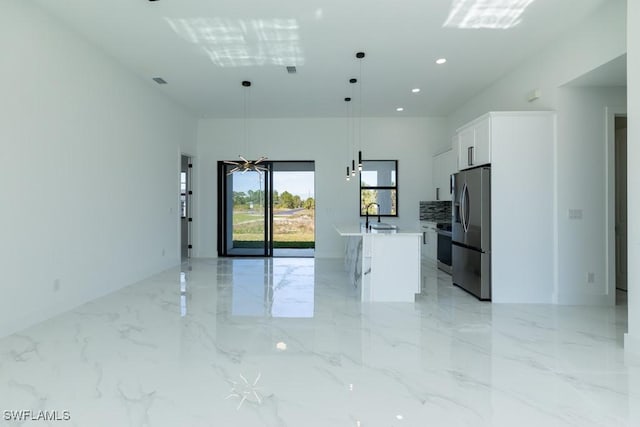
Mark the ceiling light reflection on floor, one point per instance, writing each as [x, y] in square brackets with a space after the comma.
[243, 43]
[492, 14]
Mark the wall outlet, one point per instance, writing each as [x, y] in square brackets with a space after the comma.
[591, 277]
[56, 285]
[163, 251]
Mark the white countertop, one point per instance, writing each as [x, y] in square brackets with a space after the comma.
[359, 230]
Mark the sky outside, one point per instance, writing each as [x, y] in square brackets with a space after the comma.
[296, 183]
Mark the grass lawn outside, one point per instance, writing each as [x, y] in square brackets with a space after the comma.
[289, 231]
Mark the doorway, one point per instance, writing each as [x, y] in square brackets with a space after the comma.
[621, 208]
[267, 214]
[185, 207]
[293, 209]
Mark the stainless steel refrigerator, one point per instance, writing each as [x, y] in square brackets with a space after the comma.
[471, 231]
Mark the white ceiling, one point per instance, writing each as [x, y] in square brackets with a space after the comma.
[613, 73]
[205, 48]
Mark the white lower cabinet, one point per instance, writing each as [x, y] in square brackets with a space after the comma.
[429, 241]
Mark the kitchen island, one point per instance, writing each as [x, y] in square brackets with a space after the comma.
[383, 264]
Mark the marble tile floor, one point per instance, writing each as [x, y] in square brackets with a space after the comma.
[286, 342]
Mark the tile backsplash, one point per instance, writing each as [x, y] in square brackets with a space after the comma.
[435, 211]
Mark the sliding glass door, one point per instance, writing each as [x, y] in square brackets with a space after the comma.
[293, 209]
[245, 212]
[267, 214]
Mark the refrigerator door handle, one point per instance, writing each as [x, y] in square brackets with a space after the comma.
[462, 207]
[465, 208]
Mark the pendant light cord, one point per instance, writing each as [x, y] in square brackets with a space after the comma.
[360, 101]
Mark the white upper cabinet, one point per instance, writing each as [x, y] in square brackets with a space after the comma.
[482, 150]
[474, 143]
[444, 165]
[466, 145]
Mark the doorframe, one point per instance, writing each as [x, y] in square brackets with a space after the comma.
[221, 244]
[223, 214]
[190, 205]
[610, 187]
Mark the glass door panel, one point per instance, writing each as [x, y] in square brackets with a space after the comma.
[246, 213]
[293, 209]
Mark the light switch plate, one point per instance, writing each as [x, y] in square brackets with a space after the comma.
[575, 213]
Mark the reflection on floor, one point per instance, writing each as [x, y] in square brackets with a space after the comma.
[298, 253]
[286, 342]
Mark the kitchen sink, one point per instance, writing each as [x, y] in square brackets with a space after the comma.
[381, 226]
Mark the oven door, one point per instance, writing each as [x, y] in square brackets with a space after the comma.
[444, 247]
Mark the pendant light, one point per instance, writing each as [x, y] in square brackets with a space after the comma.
[245, 165]
[360, 56]
[352, 141]
[348, 141]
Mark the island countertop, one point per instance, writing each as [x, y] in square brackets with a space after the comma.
[383, 264]
[359, 230]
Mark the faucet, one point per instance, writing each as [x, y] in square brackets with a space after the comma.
[366, 224]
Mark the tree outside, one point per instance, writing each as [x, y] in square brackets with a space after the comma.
[293, 219]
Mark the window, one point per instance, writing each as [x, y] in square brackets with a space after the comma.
[379, 187]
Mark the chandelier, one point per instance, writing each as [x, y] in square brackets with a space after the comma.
[243, 165]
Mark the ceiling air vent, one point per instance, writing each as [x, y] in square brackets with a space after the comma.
[291, 69]
[160, 80]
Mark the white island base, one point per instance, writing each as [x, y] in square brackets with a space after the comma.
[384, 266]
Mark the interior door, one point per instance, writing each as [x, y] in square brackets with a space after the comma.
[621, 202]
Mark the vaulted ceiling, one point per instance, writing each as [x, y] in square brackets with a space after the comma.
[204, 49]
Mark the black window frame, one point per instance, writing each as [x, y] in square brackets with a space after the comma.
[380, 187]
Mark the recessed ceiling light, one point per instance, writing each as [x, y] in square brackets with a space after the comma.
[415, 90]
[441, 61]
[399, 109]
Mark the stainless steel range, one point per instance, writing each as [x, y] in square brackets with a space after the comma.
[444, 247]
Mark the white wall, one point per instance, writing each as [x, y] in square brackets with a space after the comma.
[581, 147]
[412, 141]
[595, 41]
[632, 339]
[582, 184]
[522, 207]
[90, 171]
